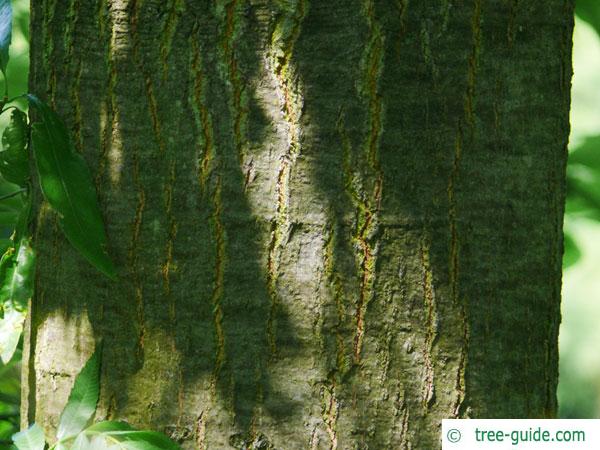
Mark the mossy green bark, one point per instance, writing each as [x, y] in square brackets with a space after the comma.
[335, 223]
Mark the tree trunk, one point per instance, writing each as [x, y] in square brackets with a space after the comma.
[335, 222]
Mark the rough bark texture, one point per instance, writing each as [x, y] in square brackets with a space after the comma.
[336, 222]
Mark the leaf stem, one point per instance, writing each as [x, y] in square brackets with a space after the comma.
[3, 110]
[15, 98]
[12, 194]
[5, 101]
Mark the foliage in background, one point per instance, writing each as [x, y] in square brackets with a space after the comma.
[579, 381]
[17, 72]
[589, 10]
[10, 392]
[583, 170]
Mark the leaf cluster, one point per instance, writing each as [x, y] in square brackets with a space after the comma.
[583, 169]
[75, 428]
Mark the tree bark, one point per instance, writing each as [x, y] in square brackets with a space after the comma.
[335, 223]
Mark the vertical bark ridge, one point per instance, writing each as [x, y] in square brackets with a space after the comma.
[176, 9]
[473, 62]
[107, 113]
[228, 14]
[402, 7]
[111, 151]
[200, 432]
[156, 122]
[48, 43]
[202, 306]
[205, 167]
[142, 59]
[75, 100]
[369, 204]
[168, 268]
[342, 362]
[344, 358]
[281, 52]
[314, 441]
[133, 252]
[431, 324]
[454, 179]
[202, 116]
[459, 386]
[229, 36]
[244, 382]
[510, 29]
[217, 294]
[69, 39]
[136, 7]
[330, 414]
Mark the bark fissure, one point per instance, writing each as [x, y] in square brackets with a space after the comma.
[217, 294]
[342, 364]
[281, 65]
[176, 9]
[469, 120]
[49, 45]
[511, 30]
[134, 254]
[108, 113]
[171, 234]
[330, 414]
[233, 74]
[201, 432]
[314, 224]
[431, 327]
[69, 39]
[203, 119]
[368, 205]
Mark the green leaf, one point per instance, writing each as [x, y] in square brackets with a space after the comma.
[121, 436]
[81, 405]
[8, 218]
[99, 443]
[81, 443]
[30, 439]
[572, 253]
[67, 185]
[587, 153]
[14, 159]
[589, 10]
[7, 259]
[109, 426]
[22, 223]
[583, 180]
[4, 245]
[16, 275]
[5, 33]
[11, 327]
[17, 280]
[94, 442]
